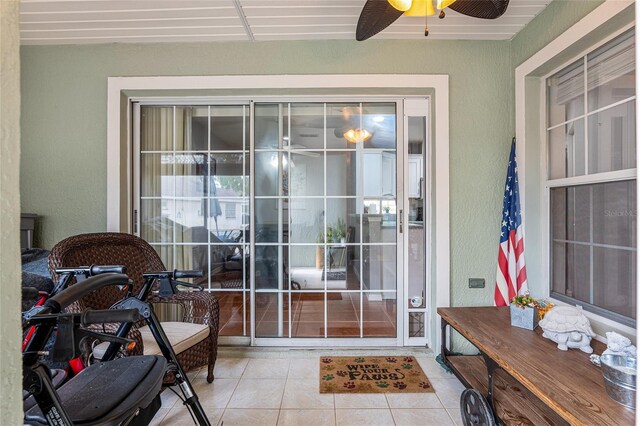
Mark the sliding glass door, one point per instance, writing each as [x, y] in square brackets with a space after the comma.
[325, 220]
[296, 212]
[194, 198]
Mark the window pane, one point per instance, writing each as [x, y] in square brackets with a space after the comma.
[341, 118]
[571, 268]
[270, 308]
[191, 128]
[343, 315]
[612, 139]
[156, 128]
[380, 120]
[611, 71]
[271, 266]
[565, 94]
[266, 211]
[379, 314]
[615, 213]
[229, 128]
[614, 277]
[268, 127]
[191, 174]
[157, 220]
[308, 314]
[307, 219]
[307, 126]
[231, 310]
[341, 173]
[307, 174]
[566, 150]
[156, 175]
[268, 165]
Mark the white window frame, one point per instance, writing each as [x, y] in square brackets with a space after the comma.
[530, 85]
[119, 148]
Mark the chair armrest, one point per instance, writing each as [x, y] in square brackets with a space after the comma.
[200, 307]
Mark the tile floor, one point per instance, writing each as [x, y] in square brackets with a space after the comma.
[282, 389]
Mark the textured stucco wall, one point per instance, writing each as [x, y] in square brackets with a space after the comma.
[10, 363]
[555, 19]
[64, 123]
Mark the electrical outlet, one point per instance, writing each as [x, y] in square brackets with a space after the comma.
[476, 282]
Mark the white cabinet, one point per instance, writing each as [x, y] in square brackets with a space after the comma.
[388, 174]
[379, 174]
[372, 163]
[414, 176]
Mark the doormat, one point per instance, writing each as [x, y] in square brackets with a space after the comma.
[380, 374]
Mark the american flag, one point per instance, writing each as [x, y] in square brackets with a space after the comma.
[511, 276]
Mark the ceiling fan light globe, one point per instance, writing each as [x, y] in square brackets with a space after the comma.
[421, 8]
[357, 135]
[401, 5]
[445, 3]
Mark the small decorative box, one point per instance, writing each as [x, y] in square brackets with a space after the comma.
[526, 317]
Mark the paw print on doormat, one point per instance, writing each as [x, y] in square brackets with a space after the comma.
[407, 366]
[349, 385]
[400, 385]
[391, 359]
[359, 359]
[407, 359]
[327, 360]
[328, 377]
[382, 385]
[424, 385]
[341, 373]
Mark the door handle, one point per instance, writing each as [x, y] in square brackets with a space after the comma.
[401, 220]
[420, 187]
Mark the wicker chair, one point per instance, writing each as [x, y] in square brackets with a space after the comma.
[139, 257]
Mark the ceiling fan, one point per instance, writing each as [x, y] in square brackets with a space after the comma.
[377, 15]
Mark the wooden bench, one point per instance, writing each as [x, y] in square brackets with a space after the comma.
[526, 378]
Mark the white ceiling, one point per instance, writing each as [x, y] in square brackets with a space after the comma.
[147, 21]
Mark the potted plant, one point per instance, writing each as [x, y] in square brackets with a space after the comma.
[341, 231]
[527, 311]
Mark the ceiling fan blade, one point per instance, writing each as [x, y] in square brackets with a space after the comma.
[484, 9]
[376, 15]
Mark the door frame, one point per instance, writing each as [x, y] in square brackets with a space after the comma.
[121, 90]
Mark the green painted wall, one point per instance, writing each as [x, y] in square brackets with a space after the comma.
[11, 377]
[555, 19]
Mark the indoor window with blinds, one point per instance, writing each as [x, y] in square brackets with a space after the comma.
[591, 134]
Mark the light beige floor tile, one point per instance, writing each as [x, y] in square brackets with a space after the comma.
[258, 393]
[234, 417]
[179, 416]
[448, 391]
[421, 417]
[413, 400]
[227, 368]
[266, 369]
[216, 394]
[305, 393]
[361, 400]
[432, 369]
[307, 418]
[195, 372]
[304, 369]
[455, 414]
[364, 417]
[168, 398]
[157, 419]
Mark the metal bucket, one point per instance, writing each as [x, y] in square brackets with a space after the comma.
[619, 373]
